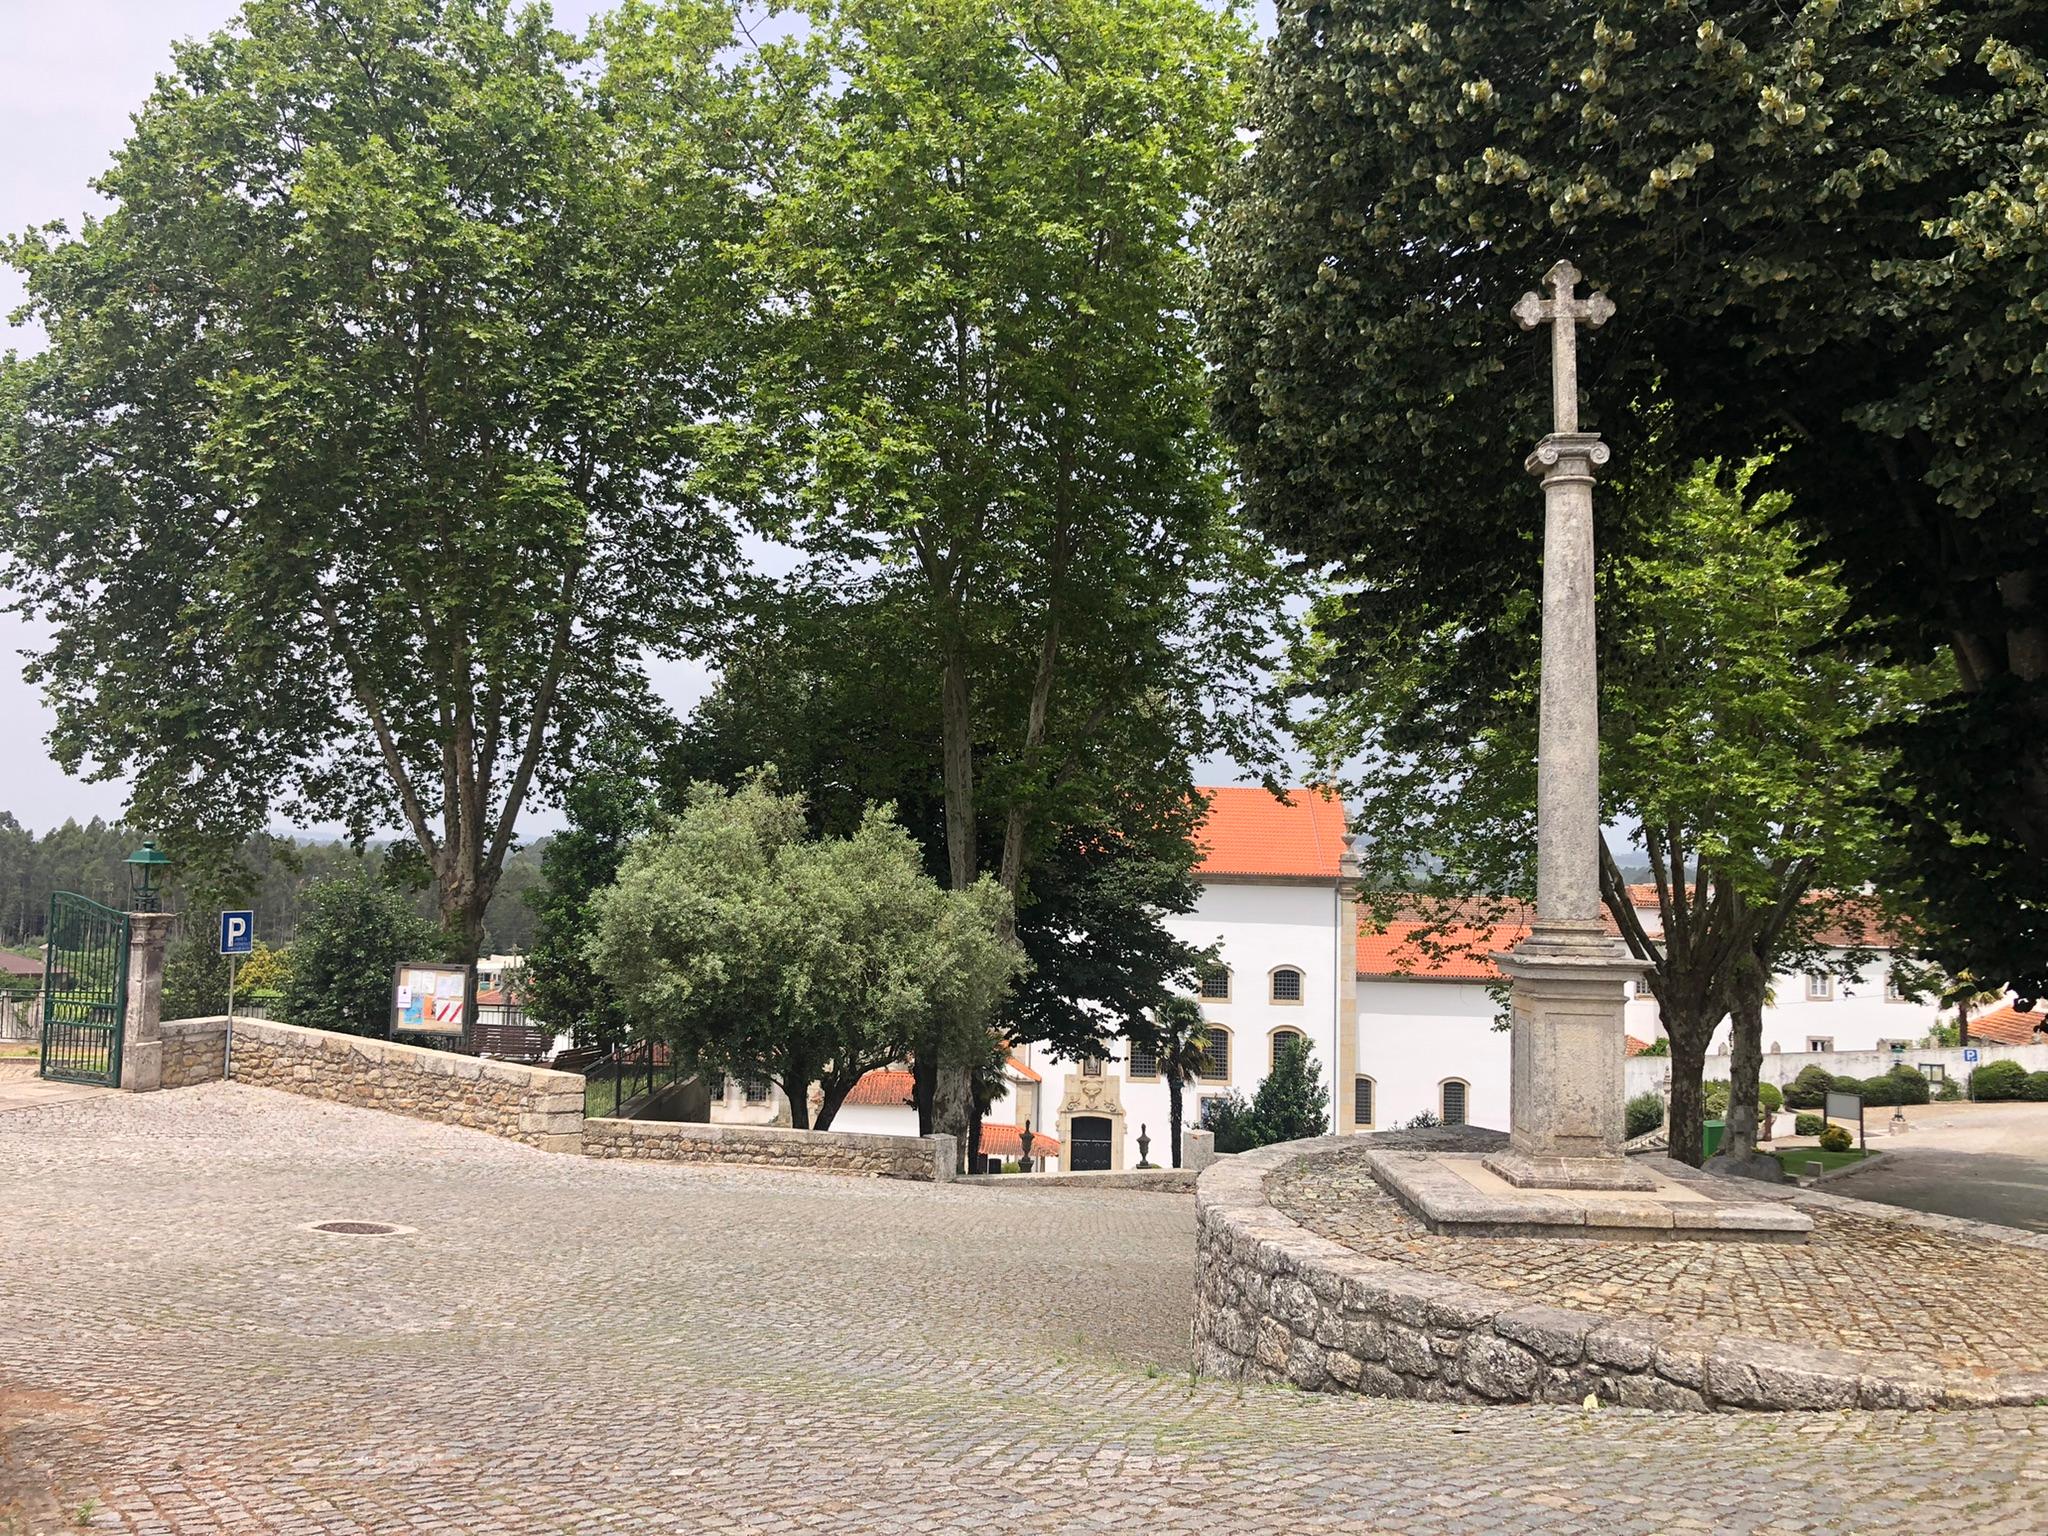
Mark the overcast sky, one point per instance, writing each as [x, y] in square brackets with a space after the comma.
[71, 74]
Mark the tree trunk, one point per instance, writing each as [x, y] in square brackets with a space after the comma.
[796, 1087]
[1739, 1157]
[1687, 1121]
[924, 1072]
[952, 1092]
[1173, 1117]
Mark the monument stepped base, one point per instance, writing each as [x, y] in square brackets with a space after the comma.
[1464, 1195]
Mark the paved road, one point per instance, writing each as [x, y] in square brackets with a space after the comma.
[1983, 1162]
[561, 1346]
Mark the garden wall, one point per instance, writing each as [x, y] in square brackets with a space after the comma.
[1646, 1073]
[929, 1158]
[535, 1105]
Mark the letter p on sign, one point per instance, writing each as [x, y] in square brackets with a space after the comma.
[237, 933]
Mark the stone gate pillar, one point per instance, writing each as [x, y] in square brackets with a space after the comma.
[142, 1043]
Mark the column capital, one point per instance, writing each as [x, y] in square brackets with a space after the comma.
[1567, 456]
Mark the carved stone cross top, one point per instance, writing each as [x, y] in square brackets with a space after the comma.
[1563, 311]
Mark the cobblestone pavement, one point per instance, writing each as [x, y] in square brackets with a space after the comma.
[1857, 1283]
[568, 1346]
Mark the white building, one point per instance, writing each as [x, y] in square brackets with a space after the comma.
[1274, 906]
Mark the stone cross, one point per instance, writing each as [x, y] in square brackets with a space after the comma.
[1563, 311]
[1565, 1088]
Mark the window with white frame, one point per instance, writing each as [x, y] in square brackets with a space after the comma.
[757, 1090]
[1361, 1100]
[1286, 985]
[1820, 1042]
[1451, 1096]
[1820, 987]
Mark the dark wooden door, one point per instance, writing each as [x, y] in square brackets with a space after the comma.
[1088, 1142]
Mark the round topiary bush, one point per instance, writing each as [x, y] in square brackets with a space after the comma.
[1997, 1080]
[1809, 1125]
[1913, 1087]
[1770, 1097]
[1645, 1114]
[1846, 1084]
[2035, 1088]
[1809, 1090]
[1881, 1090]
[1836, 1139]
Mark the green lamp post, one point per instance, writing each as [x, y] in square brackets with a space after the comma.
[147, 867]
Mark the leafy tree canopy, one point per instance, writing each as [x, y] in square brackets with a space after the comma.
[1825, 228]
[355, 479]
[355, 930]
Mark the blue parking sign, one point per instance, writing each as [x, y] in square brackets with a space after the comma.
[237, 933]
[1969, 1053]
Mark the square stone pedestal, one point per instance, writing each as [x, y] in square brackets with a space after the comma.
[1460, 1194]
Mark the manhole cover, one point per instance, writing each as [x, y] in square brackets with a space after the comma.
[365, 1228]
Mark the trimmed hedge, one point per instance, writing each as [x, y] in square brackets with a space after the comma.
[2035, 1088]
[1769, 1098]
[1809, 1090]
[1997, 1080]
[1809, 1125]
[1836, 1139]
[1645, 1114]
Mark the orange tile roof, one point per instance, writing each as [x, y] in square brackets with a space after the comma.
[2008, 1026]
[1249, 832]
[1635, 1047]
[1008, 1141]
[1453, 953]
[1024, 1072]
[892, 1089]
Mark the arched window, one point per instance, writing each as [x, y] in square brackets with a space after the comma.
[1361, 1101]
[1276, 1040]
[1452, 1091]
[1216, 1062]
[1286, 985]
[1216, 983]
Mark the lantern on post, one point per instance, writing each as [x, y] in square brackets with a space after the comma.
[147, 867]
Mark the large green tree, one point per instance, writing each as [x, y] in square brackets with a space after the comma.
[355, 931]
[1825, 227]
[759, 950]
[1733, 739]
[355, 477]
[976, 397]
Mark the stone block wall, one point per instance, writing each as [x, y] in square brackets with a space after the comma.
[535, 1105]
[1275, 1302]
[857, 1152]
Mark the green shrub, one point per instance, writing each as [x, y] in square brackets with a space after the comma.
[1714, 1098]
[1882, 1090]
[1645, 1114]
[1949, 1091]
[1809, 1090]
[2035, 1088]
[1997, 1080]
[1913, 1083]
[1716, 1093]
[1846, 1084]
[1809, 1125]
[1770, 1097]
[1836, 1139]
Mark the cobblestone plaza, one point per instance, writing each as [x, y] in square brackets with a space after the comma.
[567, 1345]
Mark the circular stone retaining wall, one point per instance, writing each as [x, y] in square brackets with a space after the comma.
[1276, 1302]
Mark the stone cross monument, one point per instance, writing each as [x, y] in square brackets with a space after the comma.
[1566, 1096]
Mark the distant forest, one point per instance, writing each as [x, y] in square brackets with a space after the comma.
[88, 857]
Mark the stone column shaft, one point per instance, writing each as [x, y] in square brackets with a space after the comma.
[142, 1049]
[1568, 728]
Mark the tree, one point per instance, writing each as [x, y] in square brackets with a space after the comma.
[1178, 1037]
[266, 968]
[195, 979]
[1291, 1103]
[975, 400]
[1734, 735]
[378, 391]
[757, 950]
[356, 931]
[1824, 230]
[831, 693]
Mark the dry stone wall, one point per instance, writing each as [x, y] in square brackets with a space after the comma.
[1275, 1302]
[928, 1158]
[535, 1105]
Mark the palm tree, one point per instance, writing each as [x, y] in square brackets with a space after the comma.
[1179, 1036]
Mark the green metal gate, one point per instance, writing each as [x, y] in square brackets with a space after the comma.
[85, 991]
